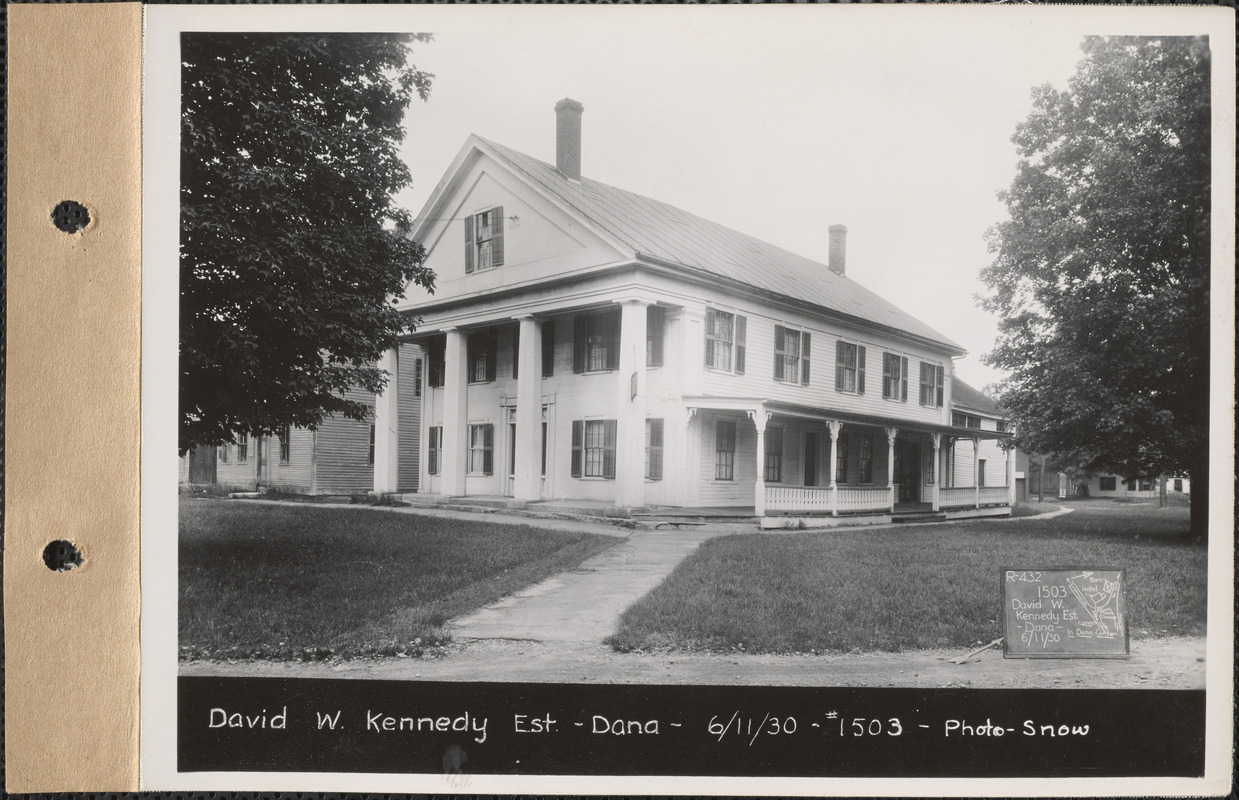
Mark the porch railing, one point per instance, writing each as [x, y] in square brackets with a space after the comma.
[817, 499]
[994, 496]
[957, 496]
[856, 498]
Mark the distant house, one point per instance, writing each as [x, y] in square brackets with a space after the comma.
[588, 344]
[1102, 485]
[336, 458]
[982, 458]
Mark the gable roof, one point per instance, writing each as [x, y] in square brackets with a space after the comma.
[659, 232]
[964, 396]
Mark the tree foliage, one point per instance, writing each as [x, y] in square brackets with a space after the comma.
[291, 246]
[1101, 274]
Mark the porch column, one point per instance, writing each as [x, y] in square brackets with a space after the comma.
[934, 497]
[528, 478]
[630, 407]
[387, 426]
[455, 448]
[1011, 477]
[760, 418]
[835, 425]
[976, 471]
[891, 433]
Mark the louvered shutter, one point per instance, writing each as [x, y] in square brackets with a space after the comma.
[548, 349]
[496, 236]
[655, 449]
[860, 369]
[611, 336]
[608, 453]
[655, 320]
[711, 343]
[839, 365]
[578, 435]
[903, 383]
[804, 358]
[580, 341]
[488, 452]
[516, 352]
[469, 244]
[939, 378]
[741, 326]
[779, 360]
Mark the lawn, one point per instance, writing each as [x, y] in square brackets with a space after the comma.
[909, 588]
[276, 581]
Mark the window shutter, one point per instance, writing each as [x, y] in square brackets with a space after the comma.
[711, 325]
[516, 352]
[860, 369]
[804, 358]
[938, 378]
[839, 366]
[779, 361]
[655, 321]
[741, 326]
[469, 243]
[608, 453]
[578, 435]
[611, 335]
[496, 236]
[548, 349]
[903, 383]
[580, 339]
[488, 451]
[655, 471]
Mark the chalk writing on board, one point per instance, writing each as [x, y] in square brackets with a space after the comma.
[1064, 613]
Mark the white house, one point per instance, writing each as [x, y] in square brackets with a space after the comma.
[584, 343]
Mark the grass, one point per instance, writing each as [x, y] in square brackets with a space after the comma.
[909, 588]
[300, 581]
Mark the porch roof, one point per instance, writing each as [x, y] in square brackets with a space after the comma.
[822, 414]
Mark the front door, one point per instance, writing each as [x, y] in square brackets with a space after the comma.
[810, 458]
[908, 471]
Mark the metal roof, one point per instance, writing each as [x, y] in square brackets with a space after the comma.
[665, 233]
[964, 396]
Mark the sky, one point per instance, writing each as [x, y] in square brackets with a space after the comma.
[778, 124]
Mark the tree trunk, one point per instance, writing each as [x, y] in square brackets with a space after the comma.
[1200, 500]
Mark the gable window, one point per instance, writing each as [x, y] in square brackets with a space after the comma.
[866, 459]
[243, 449]
[284, 444]
[791, 355]
[724, 450]
[849, 367]
[548, 348]
[962, 420]
[725, 334]
[370, 453]
[655, 325]
[654, 449]
[417, 377]
[841, 453]
[894, 377]
[931, 384]
[482, 449]
[593, 448]
[595, 342]
[484, 240]
[435, 354]
[774, 454]
[481, 347]
[433, 447]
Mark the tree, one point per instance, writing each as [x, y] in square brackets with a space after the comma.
[291, 246]
[1101, 274]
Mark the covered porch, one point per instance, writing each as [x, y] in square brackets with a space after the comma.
[815, 467]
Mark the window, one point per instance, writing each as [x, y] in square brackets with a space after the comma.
[484, 240]
[284, 445]
[223, 453]
[841, 453]
[593, 448]
[849, 367]
[894, 377]
[866, 459]
[433, 448]
[1108, 483]
[1003, 426]
[981, 464]
[417, 377]
[724, 450]
[548, 349]
[370, 453]
[1146, 484]
[435, 369]
[962, 420]
[725, 334]
[654, 449]
[791, 355]
[481, 449]
[931, 384]
[595, 342]
[1178, 484]
[774, 454]
[1131, 486]
[481, 354]
[655, 325]
[243, 449]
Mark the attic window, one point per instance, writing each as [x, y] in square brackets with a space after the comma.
[484, 240]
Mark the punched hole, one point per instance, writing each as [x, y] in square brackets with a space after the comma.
[62, 556]
[70, 216]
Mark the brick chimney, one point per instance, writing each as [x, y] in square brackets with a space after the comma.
[838, 249]
[568, 138]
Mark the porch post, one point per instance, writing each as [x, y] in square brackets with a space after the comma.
[387, 425]
[835, 425]
[630, 404]
[527, 483]
[934, 496]
[760, 417]
[455, 447]
[891, 433]
[976, 471]
[1011, 477]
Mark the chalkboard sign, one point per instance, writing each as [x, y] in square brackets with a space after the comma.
[1077, 612]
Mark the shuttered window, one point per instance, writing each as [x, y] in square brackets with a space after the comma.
[285, 433]
[243, 449]
[725, 341]
[654, 449]
[932, 380]
[595, 345]
[484, 240]
[894, 377]
[724, 450]
[433, 448]
[849, 367]
[482, 449]
[791, 355]
[593, 448]
[655, 324]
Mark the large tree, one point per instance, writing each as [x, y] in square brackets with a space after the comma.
[291, 246]
[1101, 274]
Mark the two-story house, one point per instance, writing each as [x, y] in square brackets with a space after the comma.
[586, 343]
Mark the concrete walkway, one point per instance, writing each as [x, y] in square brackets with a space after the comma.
[584, 605]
